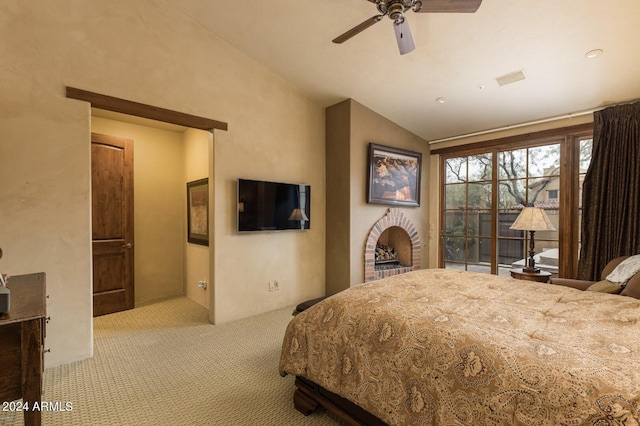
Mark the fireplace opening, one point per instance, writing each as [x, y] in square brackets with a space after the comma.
[392, 247]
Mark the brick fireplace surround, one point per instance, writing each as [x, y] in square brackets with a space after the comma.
[393, 218]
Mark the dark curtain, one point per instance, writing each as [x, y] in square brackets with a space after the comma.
[611, 191]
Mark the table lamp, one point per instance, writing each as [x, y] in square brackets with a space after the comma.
[532, 219]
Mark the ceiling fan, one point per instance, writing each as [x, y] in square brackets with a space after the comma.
[395, 10]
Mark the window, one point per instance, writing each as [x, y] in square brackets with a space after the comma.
[483, 191]
[524, 176]
[467, 217]
[584, 158]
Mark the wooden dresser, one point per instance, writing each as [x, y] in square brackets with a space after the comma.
[22, 333]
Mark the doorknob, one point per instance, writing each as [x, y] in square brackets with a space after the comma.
[128, 245]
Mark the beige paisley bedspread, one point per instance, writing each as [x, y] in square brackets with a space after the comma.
[445, 347]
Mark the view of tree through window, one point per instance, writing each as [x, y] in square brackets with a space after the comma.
[484, 193]
[524, 178]
[468, 195]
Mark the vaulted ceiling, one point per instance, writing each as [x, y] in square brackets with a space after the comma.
[458, 57]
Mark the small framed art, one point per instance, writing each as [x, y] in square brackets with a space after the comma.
[198, 212]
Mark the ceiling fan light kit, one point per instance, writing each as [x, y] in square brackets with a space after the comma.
[395, 10]
[404, 38]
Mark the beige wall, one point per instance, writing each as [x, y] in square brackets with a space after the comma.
[146, 53]
[434, 210]
[352, 125]
[338, 243]
[198, 158]
[283, 149]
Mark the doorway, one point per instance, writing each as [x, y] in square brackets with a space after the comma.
[137, 112]
[166, 158]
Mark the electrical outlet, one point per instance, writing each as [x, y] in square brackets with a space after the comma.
[276, 285]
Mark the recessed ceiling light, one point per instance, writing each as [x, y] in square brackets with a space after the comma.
[441, 100]
[593, 53]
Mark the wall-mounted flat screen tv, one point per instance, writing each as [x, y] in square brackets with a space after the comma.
[273, 206]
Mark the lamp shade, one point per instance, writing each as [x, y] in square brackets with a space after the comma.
[533, 219]
[298, 214]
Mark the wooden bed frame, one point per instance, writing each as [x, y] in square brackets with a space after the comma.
[309, 395]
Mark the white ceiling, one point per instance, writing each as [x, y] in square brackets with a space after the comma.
[457, 56]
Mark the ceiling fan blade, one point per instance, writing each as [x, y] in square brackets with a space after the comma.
[403, 36]
[357, 29]
[449, 6]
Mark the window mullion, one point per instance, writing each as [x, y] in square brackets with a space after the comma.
[494, 211]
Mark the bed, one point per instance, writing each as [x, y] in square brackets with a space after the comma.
[447, 347]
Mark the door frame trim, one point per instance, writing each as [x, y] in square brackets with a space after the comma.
[124, 106]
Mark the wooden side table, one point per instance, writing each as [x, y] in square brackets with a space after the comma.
[21, 344]
[541, 277]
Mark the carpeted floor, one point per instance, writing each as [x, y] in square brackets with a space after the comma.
[165, 364]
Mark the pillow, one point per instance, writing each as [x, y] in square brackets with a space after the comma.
[632, 288]
[605, 286]
[625, 270]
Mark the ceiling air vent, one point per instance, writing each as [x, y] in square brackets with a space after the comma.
[511, 78]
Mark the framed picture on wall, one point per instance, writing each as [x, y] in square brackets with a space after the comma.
[198, 212]
[394, 176]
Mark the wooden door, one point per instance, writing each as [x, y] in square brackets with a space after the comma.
[112, 223]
